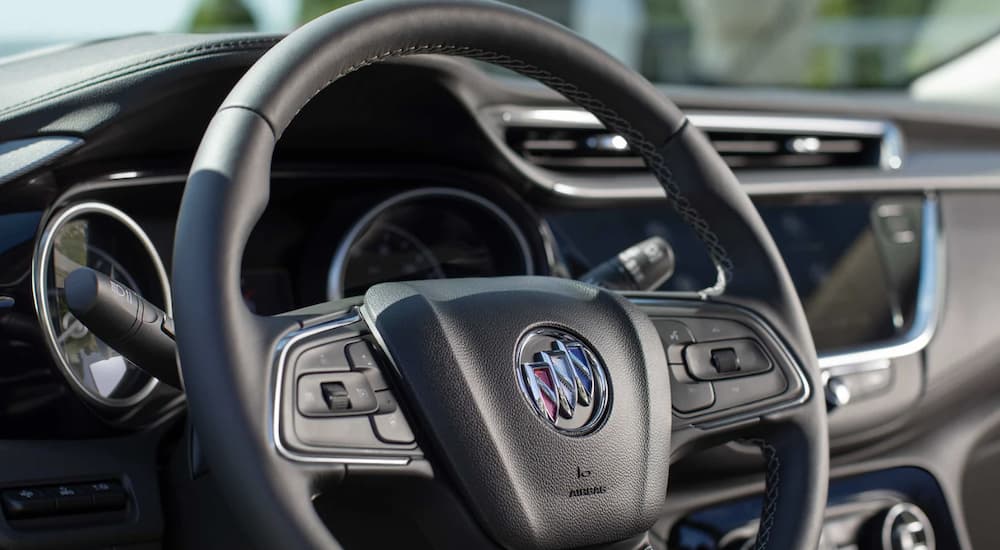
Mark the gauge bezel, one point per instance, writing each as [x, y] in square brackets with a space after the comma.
[338, 266]
[40, 267]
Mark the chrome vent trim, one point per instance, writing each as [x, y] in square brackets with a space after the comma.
[789, 141]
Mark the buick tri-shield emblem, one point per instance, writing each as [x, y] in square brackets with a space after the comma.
[562, 379]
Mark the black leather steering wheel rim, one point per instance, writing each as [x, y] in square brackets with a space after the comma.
[228, 187]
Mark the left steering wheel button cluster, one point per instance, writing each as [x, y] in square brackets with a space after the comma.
[339, 398]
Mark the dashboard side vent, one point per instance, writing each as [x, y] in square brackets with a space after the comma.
[572, 140]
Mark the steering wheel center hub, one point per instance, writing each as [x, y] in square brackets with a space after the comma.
[544, 449]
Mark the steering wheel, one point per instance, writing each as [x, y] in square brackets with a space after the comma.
[552, 408]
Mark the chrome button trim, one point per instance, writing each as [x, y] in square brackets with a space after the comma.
[283, 348]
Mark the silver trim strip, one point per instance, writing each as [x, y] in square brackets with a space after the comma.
[40, 274]
[575, 117]
[284, 345]
[930, 295]
[335, 276]
[855, 368]
[637, 186]
[20, 156]
[644, 186]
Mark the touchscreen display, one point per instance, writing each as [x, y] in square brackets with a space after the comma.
[854, 262]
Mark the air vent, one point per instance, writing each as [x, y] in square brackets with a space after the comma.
[572, 140]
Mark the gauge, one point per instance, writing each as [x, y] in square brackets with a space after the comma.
[431, 233]
[105, 239]
[389, 253]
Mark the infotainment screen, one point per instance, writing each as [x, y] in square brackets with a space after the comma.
[855, 261]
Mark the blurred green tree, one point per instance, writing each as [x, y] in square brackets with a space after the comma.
[311, 9]
[216, 15]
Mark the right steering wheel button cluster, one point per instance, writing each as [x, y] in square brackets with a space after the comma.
[717, 364]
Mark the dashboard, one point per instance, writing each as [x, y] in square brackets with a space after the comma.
[884, 212]
[331, 233]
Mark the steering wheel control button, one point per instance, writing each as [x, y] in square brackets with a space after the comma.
[326, 357]
[344, 431]
[363, 359]
[711, 330]
[335, 394]
[675, 336]
[386, 402]
[750, 389]
[393, 428]
[361, 355]
[673, 332]
[726, 359]
[689, 396]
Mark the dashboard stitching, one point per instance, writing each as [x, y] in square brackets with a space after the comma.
[217, 47]
[654, 158]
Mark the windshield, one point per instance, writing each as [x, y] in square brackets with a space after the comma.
[795, 43]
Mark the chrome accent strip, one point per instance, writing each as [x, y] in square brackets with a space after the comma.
[639, 185]
[335, 276]
[891, 153]
[855, 368]
[283, 346]
[734, 121]
[644, 186]
[39, 280]
[930, 295]
[20, 156]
